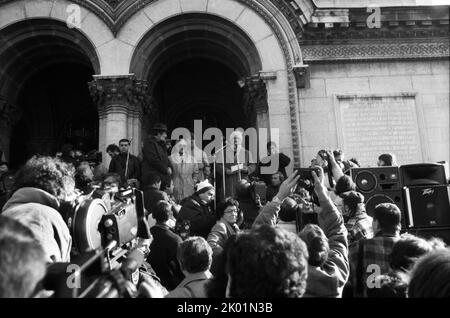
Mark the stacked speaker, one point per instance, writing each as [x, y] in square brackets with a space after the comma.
[421, 192]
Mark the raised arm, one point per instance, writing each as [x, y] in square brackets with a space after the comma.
[269, 213]
[332, 223]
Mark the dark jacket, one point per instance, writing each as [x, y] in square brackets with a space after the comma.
[155, 160]
[119, 163]
[329, 279]
[283, 162]
[163, 256]
[198, 214]
[250, 211]
[152, 196]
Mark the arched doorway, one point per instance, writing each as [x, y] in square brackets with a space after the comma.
[195, 64]
[45, 70]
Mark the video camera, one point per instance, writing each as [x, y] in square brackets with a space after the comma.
[93, 224]
[110, 244]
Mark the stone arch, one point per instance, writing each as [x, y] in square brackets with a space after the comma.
[36, 44]
[270, 33]
[92, 28]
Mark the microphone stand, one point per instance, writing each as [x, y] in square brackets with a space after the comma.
[128, 158]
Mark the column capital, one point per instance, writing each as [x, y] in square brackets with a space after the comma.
[9, 114]
[120, 93]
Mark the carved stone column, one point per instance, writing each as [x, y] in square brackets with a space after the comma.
[9, 115]
[122, 101]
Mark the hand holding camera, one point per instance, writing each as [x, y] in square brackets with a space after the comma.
[288, 186]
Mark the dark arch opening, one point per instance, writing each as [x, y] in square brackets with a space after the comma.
[193, 63]
[45, 70]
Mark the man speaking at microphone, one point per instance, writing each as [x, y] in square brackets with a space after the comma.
[126, 165]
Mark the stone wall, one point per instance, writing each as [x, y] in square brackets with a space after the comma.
[427, 82]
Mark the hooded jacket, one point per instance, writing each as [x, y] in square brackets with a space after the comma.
[38, 210]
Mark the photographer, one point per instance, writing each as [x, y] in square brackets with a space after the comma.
[329, 268]
[42, 184]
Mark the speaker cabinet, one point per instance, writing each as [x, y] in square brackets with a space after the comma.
[379, 185]
[439, 232]
[423, 174]
[428, 206]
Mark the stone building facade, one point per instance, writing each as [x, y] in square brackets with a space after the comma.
[327, 74]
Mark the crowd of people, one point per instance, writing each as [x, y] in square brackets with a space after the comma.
[225, 232]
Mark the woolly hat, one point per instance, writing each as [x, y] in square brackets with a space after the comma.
[203, 187]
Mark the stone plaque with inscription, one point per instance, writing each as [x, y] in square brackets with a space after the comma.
[371, 125]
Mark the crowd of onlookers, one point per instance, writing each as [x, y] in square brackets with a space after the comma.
[272, 235]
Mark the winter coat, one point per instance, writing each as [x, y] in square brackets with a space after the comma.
[38, 210]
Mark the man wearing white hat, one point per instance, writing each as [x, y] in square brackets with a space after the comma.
[196, 211]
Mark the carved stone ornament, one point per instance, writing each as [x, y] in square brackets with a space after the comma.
[255, 96]
[121, 93]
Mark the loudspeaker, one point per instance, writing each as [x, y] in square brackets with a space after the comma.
[428, 206]
[379, 185]
[423, 174]
[443, 233]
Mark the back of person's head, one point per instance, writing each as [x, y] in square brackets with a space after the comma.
[354, 201]
[317, 243]
[288, 210]
[195, 255]
[83, 176]
[430, 276]
[344, 184]
[22, 260]
[113, 148]
[49, 174]
[388, 217]
[267, 262]
[152, 179]
[407, 250]
[355, 161]
[243, 190]
[437, 243]
[338, 153]
[221, 207]
[388, 159]
[163, 211]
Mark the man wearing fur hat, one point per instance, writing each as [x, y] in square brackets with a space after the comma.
[196, 211]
